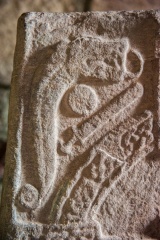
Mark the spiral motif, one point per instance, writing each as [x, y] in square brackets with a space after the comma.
[28, 196]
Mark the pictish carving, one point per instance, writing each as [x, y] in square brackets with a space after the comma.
[85, 157]
[79, 197]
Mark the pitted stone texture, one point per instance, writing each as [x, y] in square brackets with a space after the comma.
[83, 151]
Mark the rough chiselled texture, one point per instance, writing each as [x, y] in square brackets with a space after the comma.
[83, 150]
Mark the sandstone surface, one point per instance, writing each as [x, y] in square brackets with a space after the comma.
[10, 10]
[83, 146]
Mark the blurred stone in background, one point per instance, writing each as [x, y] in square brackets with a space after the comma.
[4, 99]
[105, 5]
[4, 96]
[10, 10]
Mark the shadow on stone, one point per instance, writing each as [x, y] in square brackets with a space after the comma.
[153, 229]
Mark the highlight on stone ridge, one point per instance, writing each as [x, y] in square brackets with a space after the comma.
[83, 147]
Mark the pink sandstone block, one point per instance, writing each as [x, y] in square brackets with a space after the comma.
[83, 147]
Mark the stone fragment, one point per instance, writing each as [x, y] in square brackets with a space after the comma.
[82, 156]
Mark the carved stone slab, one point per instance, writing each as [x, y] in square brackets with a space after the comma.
[84, 125]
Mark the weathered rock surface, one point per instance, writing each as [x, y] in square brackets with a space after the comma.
[10, 10]
[83, 150]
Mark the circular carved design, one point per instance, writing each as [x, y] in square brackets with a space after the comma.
[83, 100]
[28, 196]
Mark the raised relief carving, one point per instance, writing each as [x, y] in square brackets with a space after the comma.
[111, 55]
[89, 132]
[87, 128]
[83, 100]
[108, 156]
[28, 197]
